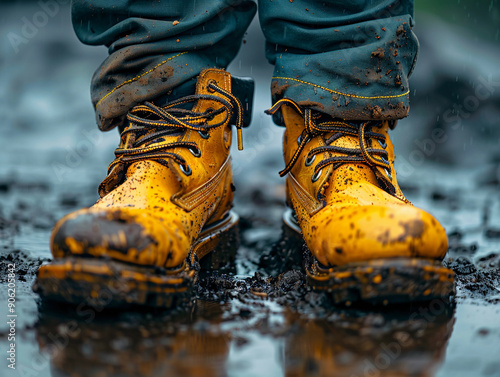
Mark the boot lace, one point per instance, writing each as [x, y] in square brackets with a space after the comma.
[316, 124]
[169, 120]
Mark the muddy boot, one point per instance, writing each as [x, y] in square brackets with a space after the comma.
[164, 206]
[366, 240]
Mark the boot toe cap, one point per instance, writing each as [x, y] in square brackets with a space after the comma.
[129, 235]
[356, 234]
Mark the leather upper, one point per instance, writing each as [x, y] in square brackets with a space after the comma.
[354, 212]
[151, 211]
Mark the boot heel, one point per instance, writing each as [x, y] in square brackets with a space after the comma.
[217, 246]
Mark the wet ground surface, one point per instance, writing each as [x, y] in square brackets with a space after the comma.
[256, 317]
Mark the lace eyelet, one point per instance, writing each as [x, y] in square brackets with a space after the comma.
[383, 144]
[316, 176]
[186, 169]
[204, 134]
[388, 173]
[195, 152]
[211, 82]
[309, 161]
[299, 139]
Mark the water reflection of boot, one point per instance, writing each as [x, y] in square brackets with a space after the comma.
[134, 346]
[354, 344]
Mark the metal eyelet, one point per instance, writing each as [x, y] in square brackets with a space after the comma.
[383, 144]
[388, 173]
[186, 169]
[316, 176]
[211, 82]
[299, 139]
[204, 134]
[195, 152]
[309, 161]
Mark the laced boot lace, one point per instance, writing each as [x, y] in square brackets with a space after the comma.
[143, 138]
[318, 124]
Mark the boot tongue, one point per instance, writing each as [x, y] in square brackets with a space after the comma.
[169, 134]
[130, 140]
[120, 172]
[349, 174]
[138, 133]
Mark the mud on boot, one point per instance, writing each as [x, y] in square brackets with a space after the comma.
[366, 240]
[164, 207]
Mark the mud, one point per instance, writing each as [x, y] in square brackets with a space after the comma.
[389, 112]
[277, 90]
[238, 317]
[378, 53]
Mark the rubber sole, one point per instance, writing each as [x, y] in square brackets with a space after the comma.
[113, 284]
[380, 281]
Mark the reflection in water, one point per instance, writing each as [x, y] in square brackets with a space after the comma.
[409, 342]
[135, 345]
[399, 343]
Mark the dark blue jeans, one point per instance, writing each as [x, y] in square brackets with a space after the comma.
[350, 59]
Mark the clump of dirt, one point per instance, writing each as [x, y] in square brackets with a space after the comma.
[277, 90]
[479, 279]
[378, 53]
[25, 265]
[462, 266]
[224, 287]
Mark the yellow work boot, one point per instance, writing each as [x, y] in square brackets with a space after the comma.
[164, 206]
[366, 240]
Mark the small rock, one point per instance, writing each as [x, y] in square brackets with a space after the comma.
[492, 233]
[462, 266]
[483, 332]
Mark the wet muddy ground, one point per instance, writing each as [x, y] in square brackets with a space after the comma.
[256, 317]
